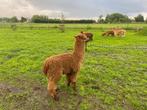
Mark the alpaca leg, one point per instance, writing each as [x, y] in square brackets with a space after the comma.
[52, 87]
[68, 79]
[72, 80]
[74, 86]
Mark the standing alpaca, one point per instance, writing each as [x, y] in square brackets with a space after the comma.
[89, 36]
[67, 63]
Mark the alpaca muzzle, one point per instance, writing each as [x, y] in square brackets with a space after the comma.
[87, 39]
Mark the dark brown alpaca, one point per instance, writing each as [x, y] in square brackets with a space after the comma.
[89, 36]
[67, 63]
[108, 33]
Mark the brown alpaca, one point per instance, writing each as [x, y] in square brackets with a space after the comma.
[119, 32]
[108, 33]
[89, 36]
[67, 63]
[115, 32]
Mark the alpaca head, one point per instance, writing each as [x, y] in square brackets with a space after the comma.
[89, 35]
[103, 34]
[81, 37]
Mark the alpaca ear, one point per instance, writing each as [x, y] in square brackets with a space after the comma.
[82, 32]
[75, 36]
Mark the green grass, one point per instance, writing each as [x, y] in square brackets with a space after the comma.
[113, 76]
[79, 26]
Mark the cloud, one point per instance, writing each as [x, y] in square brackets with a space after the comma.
[72, 8]
[9, 8]
[93, 8]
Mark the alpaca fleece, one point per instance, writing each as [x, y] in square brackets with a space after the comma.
[67, 63]
[119, 32]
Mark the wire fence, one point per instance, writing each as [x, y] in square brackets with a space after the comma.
[124, 48]
[136, 27]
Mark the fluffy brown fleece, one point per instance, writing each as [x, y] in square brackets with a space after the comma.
[89, 36]
[67, 63]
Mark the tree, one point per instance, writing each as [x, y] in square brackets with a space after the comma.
[100, 19]
[4, 19]
[62, 18]
[14, 19]
[146, 20]
[83, 21]
[54, 21]
[23, 19]
[117, 18]
[139, 18]
[39, 19]
[62, 26]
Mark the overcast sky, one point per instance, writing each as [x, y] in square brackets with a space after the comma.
[71, 8]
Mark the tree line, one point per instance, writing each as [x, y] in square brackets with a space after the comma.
[110, 18]
[120, 18]
[13, 19]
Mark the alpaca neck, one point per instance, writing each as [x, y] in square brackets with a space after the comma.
[79, 50]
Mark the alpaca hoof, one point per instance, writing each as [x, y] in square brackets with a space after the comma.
[75, 89]
[57, 90]
[74, 86]
[68, 84]
[56, 98]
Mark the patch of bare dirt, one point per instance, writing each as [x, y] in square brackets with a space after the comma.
[7, 88]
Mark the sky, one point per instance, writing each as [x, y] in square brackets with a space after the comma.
[72, 9]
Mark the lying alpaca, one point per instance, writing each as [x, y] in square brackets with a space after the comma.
[119, 32]
[68, 64]
[115, 32]
[108, 33]
[89, 36]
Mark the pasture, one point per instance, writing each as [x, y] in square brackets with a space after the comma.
[113, 75]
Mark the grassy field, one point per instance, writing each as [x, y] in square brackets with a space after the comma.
[77, 26]
[113, 75]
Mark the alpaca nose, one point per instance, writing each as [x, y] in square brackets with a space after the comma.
[87, 39]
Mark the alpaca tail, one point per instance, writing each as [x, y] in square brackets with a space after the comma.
[45, 67]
